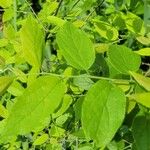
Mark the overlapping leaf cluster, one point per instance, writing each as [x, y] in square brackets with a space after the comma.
[75, 75]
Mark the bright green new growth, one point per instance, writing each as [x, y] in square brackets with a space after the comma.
[103, 112]
[76, 47]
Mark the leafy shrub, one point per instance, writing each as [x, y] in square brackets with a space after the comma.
[75, 74]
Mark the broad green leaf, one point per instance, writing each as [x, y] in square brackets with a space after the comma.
[5, 82]
[42, 139]
[32, 39]
[106, 30]
[103, 112]
[5, 3]
[143, 52]
[123, 59]
[142, 80]
[76, 47]
[31, 111]
[142, 98]
[141, 132]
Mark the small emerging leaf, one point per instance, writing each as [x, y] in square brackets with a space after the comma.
[40, 140]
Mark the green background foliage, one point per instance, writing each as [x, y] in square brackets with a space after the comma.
[74, 75]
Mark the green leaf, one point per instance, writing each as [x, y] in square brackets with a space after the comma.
[40, 140]
[142, 98]
[5, 82]
[3, 111]
[76, 47]
[83, 82]
[103, 112]
[31, 111]
[123, 59]
[32, 41]
[55, 20]
[143, 52]
[143, 40]
[66, 102]
[106, 30]
[141, 132]
[142, 80]
[5, 3]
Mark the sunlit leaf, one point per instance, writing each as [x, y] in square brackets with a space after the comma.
[76, 47]
[32, 109]
[142, 80]
[103, 112]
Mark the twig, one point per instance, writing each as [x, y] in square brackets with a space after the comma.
[57, 10]
[94, 10]
[36, 16]
[75, 4]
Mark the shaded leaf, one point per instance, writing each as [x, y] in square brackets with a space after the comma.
[141, 132]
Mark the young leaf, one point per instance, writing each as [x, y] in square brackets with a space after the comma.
[143, 52]
[141, 132]
[5, 82]
[142, 98]
[33, 108]
[103, 112]
[40, 140]
[76, 47]
[142, 80]
[123, 59]
[106, 30]
[32, 41]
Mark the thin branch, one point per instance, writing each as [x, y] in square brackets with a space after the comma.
[116, 81]
[36, 16]
[87, 18]
[75, 4]
[57, 10]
